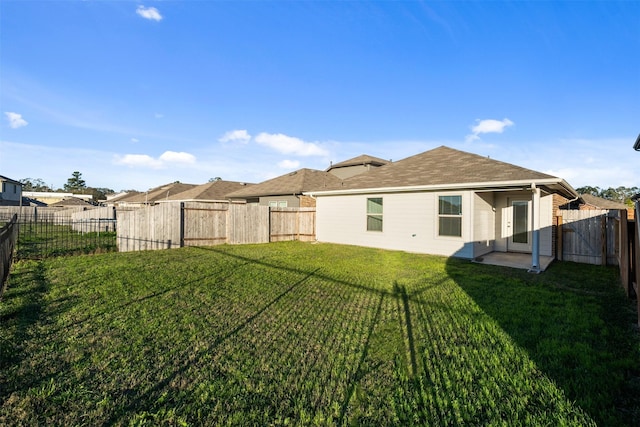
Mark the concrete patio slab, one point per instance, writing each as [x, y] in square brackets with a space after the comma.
[512, 259]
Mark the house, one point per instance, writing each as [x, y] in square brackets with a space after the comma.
[51, 197]
[152, 196]
[444, 202]
[287, 190]
[590, 202]
[10, 192]
[356, 166]
[214, 191]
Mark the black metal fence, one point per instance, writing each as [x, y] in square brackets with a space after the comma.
[43, 237]
[8, 238]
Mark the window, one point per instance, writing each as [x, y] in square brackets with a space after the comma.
[278, 204]
[374, 214]
[450, 216]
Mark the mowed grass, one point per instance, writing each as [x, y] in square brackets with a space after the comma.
[313, 334]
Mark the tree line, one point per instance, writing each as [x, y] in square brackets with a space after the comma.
[75, 184]
[619, 194]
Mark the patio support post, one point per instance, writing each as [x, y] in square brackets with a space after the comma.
[535, 240]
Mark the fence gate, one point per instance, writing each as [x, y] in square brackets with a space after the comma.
[589, 236]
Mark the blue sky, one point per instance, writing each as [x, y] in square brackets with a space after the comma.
[138, 94]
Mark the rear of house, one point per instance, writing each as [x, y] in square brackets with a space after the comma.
[443, 202]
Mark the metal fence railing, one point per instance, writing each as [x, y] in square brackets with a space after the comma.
[42, 237]
[8, 237]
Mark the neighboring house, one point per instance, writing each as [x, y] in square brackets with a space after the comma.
[214, 191]
[152, 196]
[51, 197]
[10, 192]
[445, 202]
[71, 201]
[287, 190]
[356, 166]
[590, 202]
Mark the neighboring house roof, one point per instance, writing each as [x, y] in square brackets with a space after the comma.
[363, 159]
[295, 182]
[12, 181]
[445, 167]
[123, 197]
[158, 193]
[215, 190]
[601, 203]
[70, 201]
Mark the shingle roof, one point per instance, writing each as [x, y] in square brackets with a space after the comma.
[158, 193]
[215, 190]
[599, 202]
[71, 201]
[295, 182]
[363, 159]
[441, 166]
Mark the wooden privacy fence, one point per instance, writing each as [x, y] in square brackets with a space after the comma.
[589, 236]
[8, 238]
[172, 225]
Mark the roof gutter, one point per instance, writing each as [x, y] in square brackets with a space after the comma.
[495, 186]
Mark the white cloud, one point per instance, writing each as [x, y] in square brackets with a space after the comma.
[241, 136]
[150, 13]
[158, 115]
[146, 161]
[488, 126]
[15, 120]
[177, 157]
[135, 140]
[289, 164]
[138, 160]
[290, 145]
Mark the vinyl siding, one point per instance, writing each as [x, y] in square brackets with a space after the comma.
[484, 217]
[410, 223]
[546, 220]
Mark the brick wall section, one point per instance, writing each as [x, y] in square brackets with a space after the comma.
[558, 201]
[307, 202]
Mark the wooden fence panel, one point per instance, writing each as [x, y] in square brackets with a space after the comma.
[204, 224]
[8, 238]
[248, 224]
[178, 224]
[590, 236]
[150, 227]
[292, 224]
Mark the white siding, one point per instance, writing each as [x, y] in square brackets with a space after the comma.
[410, 223]
[546, 220]
[484, 218]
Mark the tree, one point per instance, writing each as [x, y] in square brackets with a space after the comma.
[98, 193]
[75, 184]
[619, 194]
[217, 178]
[37, 184]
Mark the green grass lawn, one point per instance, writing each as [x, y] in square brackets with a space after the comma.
[301, 334]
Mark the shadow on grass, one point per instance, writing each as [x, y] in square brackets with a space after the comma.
[576, 325]
[23, 306]
[148, 396]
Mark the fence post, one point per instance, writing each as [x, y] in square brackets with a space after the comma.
[559, 238]
[637, 256]
[182, 224]
[603, 240]
[623, 243]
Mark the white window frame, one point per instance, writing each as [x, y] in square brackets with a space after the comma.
[440, 215]
[375, 214]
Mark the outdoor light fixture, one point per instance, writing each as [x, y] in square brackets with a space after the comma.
[636, 146]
